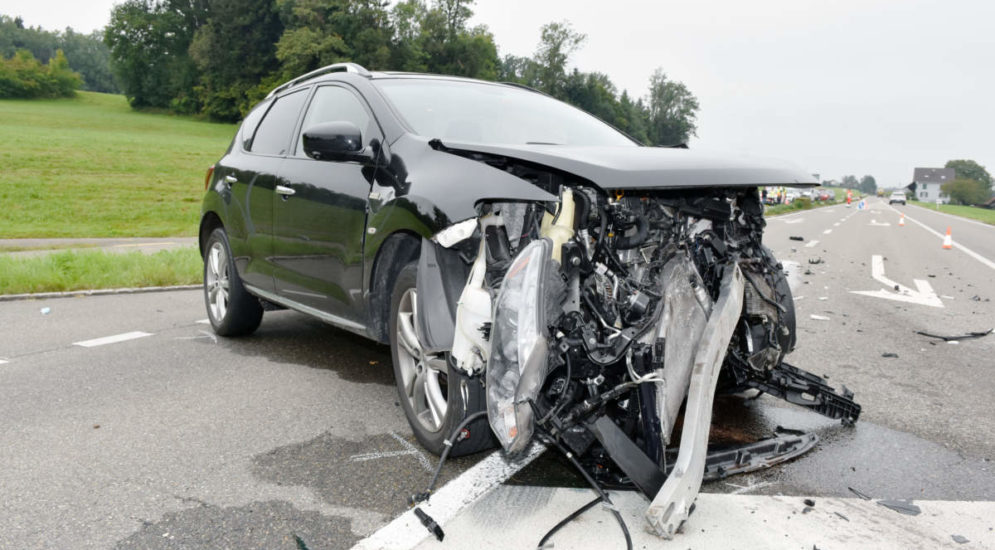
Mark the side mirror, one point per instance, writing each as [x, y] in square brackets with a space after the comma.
[335, 141]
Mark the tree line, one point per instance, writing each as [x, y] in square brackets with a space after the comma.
[972, 184]
[219, 57]
[23, 50]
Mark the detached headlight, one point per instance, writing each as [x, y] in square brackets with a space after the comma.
[516, 367]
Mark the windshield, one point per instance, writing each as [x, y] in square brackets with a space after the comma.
[493, 114]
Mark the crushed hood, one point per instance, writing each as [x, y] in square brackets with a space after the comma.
[649, 167]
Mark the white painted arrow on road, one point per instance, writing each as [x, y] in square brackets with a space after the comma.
[923, 295]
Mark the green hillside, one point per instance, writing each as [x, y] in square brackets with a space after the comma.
[92, 167]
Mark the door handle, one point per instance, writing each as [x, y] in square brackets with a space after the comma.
[284, 190]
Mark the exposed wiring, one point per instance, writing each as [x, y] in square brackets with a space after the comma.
[566, 520]
[602, 496]
[449, 443]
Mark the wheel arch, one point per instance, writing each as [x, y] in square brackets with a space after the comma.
[208, 223]
[398, 250]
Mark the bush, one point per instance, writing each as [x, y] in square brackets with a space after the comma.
[23, 76]
[964, 191]
[802, 203]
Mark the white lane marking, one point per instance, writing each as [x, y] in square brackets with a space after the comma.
[112, 339]
[879, 224]
[815, 317]
[837, 224]
[741, 490]
[799, 220]
[204, 322]
[515, 517]
[957, 245]
[422, 459]
[3, 361]
[828, 231]
[406, 531]
[810, 244]
[923, 295]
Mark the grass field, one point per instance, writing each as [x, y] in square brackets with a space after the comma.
[981, 214]
[87, 269]
[91, 167]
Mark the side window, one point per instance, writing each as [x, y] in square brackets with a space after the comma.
[250, 123]
[333, 104]
[273, 135]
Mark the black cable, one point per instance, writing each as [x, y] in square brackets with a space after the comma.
[445, 454]
[597, 488]
[566, 520]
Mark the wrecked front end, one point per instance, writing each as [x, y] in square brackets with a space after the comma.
[596, 319]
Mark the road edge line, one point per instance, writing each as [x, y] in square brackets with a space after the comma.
[957, 245]
[94, 292]
[406, 531]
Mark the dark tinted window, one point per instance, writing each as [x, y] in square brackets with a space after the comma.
[489, 113]
[334, 104]
[250, 123]
[273, 134]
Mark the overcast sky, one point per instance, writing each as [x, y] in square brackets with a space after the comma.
[845, 87]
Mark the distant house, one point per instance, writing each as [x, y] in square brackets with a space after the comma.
[926, 184]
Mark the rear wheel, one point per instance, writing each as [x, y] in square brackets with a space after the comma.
[435, 396]
[230, 308]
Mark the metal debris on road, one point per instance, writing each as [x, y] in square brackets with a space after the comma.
[968, 336]
[901, 506]
[842, 516]
[890, 355]
[858, 493]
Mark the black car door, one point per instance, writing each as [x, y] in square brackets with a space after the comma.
[320, 214]
[250, 173]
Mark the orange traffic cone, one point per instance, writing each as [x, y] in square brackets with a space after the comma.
[948, 242]
[901, 221]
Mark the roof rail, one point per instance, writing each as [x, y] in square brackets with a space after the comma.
[334, 68]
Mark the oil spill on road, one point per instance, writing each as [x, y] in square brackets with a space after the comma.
[270, 525]
[377, 473]
[879, 461]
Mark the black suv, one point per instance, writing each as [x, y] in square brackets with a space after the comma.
[334, 184]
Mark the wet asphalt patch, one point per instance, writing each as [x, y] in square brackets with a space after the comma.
[274, 525]
[377, 473]
[292, 338]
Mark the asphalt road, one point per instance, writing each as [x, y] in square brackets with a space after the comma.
[178, 439]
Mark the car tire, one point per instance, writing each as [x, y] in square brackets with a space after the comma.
[435, 397]
[231, 310]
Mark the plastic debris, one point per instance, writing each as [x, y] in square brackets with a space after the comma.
[901, 506]
[967, 336]
[46, 310]
[809, 502]
[818, 317]
[959, 539]
[796, 238]
[858, 493]
[815, 261]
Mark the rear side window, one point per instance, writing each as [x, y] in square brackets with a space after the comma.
[250, 123]
[273, 135]
[334, 104]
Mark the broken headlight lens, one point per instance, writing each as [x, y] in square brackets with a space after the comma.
[517, 363]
